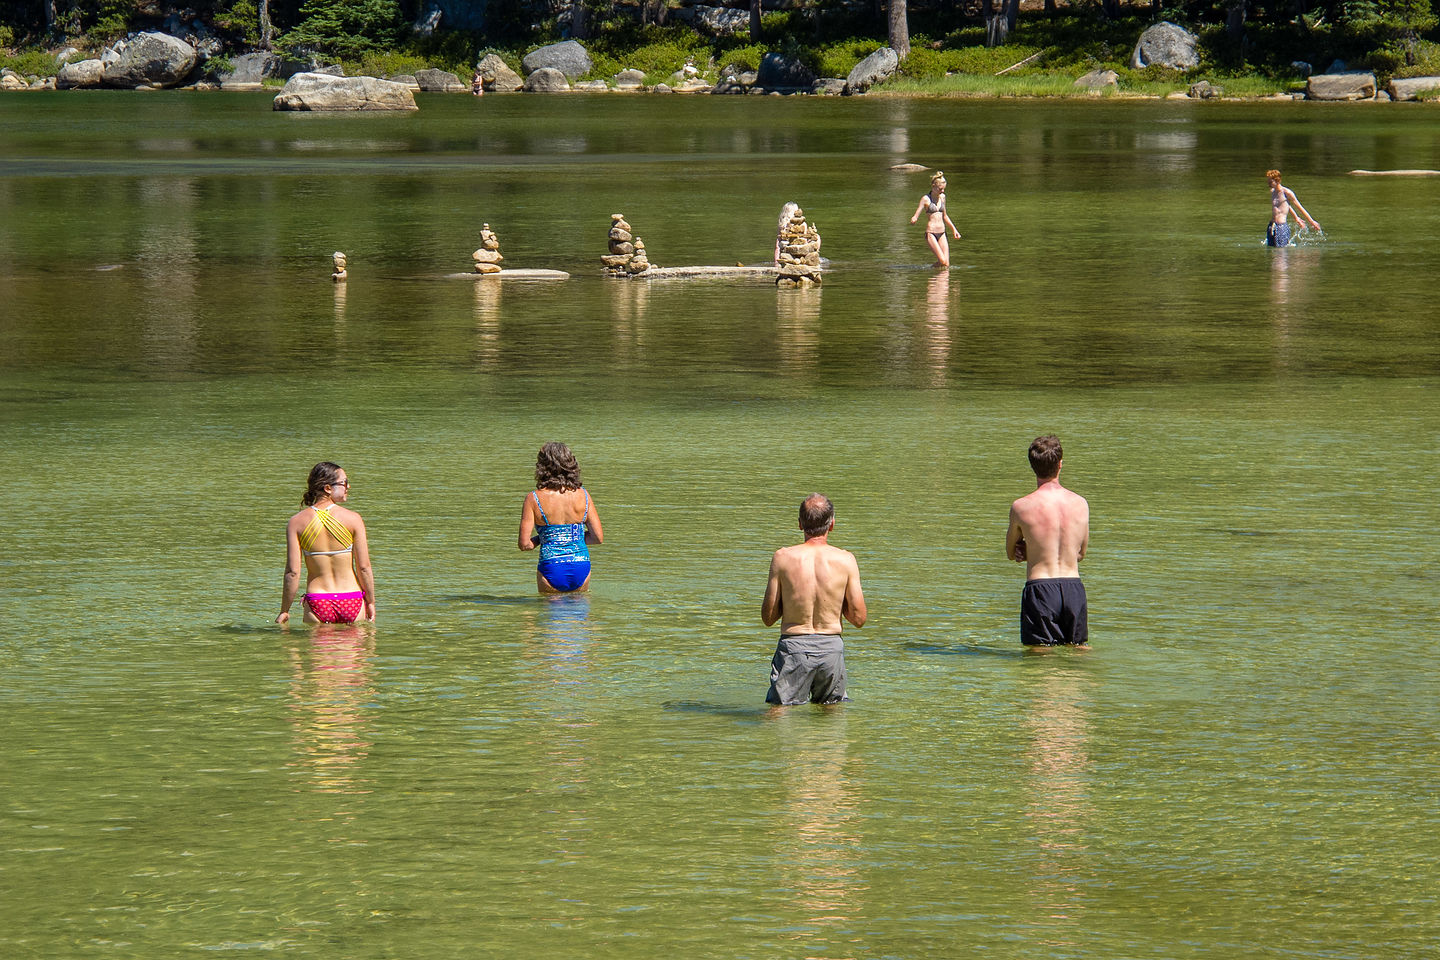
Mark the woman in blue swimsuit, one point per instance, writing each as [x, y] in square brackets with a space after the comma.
[559, 518]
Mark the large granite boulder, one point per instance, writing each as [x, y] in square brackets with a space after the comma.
[1340, 86]
[779, 72]
[721, 21]
[828, 87]
[250, 70]
[321, 91]
[546, 80]
[629, 80]
[497, 75]
[870, 71]
[1166, 45]
[10, 80]
[569, 57]
[151, 60]
[1410, 88]
[79, 76]
[440, 81]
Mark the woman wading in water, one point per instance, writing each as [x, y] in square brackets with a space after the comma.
[331, 539]
[559, 518]
[933, 203]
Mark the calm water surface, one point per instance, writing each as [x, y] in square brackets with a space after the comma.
[1244, 765]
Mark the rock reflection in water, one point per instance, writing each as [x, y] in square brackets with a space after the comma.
[331, 681]
[487, 322]
[630, 303]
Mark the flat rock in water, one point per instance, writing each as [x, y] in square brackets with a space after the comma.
[1395, 173]
[1410, 88]
[908, 167]
[509, 274]
[1340, 86]
[663, 273]
[322, 92]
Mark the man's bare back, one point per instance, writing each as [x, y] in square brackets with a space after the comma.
[812, 586]
[1049, 531]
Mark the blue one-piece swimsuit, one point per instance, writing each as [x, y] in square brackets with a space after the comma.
[564, 558]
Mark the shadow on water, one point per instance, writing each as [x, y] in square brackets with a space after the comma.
[961, 650]
[487, 598]
[756, 713]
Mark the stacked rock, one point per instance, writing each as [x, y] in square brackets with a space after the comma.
[487, 258]
[338, 260]
[799, 263]
[627, 252]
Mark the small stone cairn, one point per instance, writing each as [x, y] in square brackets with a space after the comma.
[340, 275]
[627, 251]
[799, 264]
[487, 258]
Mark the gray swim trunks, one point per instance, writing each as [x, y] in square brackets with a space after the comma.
[808, 667]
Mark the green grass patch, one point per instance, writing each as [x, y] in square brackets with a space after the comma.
[31, 63]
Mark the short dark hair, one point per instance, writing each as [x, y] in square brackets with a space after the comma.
[556, 468]
[1045, 454]
[816, 513]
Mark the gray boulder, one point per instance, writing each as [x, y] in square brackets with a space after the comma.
[1341, 86]
[66, 55]
[151, 60]
[321, 91]
[497, 75]
[592, 86]
[721, 21]
[569, 57]
[1205, 90]
[729, 85]
[1410, 88]
[81, 75]
[661, 88]
[828, 87]
[439, 81]
[408, 79]
[629, 80]
[1338, 66]
[546, 80]
[779, 72]
[1098, 80]
[1166, 45]
[1301, 67]
[250, 70]
[870, 71]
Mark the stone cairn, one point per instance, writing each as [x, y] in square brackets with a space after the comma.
[487, 258]
[627, 251]
[340, 275]
[799, 263]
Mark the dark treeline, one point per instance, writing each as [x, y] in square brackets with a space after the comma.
[1392, 36]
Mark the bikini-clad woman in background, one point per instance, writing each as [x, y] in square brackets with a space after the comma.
[339, 587]
[560, 518]
[933, 203]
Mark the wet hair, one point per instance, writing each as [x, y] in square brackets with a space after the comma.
[815, 514]
[322, 475]
[1045, 454]
[556, 468]
[1272, 174]
[786, 212]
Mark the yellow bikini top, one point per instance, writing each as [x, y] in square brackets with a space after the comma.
[324, 521]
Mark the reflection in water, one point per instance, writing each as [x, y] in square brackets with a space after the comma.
[1289, 297]
[487, 321]
[630, 304]
[168, 265]
[797, 328]
[820, 850]
[331, 681]
[937, 327]
[339, 306]
[1057, 807]
[557, 638]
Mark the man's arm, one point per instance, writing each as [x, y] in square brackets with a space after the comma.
[1303, 213]
[1085, 537]
[853, 606]
[1015, 538]
[770, 607]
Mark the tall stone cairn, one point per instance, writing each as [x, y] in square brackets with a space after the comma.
[627, 251]
[487, 258]
[799, 263]
[337, 261]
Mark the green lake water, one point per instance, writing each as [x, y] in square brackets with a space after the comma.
[1244, 765]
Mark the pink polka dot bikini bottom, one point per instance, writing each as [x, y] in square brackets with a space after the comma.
[335, 607]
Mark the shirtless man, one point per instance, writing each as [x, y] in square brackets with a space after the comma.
[812, 585]
[1049, 531]
[1281, 200]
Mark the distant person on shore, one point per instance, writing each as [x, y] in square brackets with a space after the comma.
[477, 84]
[1049, 531]
[933, 204]
[559, 518]
[339, 587]
[812, 586]
[1282, 198]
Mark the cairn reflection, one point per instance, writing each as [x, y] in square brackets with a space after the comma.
[797, 328]
[487, 323]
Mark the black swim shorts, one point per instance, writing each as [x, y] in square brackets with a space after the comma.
[807, 667]
[1053, 612]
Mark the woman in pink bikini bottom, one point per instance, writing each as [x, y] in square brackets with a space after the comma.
[330, 540]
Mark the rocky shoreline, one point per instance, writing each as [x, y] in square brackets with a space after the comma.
[149, 61]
